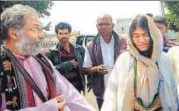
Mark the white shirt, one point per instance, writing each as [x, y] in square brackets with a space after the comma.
[119, 96]
[107, 50]
[173, 53]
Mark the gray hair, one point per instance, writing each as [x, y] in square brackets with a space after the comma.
[14, 17]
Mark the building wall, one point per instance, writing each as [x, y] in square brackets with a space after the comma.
[122, 25]
[172, 35]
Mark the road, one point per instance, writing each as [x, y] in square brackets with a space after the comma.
[91, 98]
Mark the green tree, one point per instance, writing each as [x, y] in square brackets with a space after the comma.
[173, 15]
[47, 27]
[41, 6]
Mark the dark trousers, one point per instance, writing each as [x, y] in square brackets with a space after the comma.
[99, 102]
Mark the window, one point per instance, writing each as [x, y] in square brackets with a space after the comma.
[89, 38]
[79, 40]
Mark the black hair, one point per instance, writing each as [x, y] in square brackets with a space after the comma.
[142, 22]
[161, 20]
[61, 26]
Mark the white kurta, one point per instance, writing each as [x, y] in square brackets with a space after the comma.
[174, 56]
[114, 97]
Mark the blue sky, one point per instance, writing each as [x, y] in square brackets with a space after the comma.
[82, 15]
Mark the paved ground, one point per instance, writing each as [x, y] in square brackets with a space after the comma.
[91, 98]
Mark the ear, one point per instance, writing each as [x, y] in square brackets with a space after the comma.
[166, 29]
[57, 35]
[12, 34]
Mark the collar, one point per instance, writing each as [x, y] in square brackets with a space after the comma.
[102, 40]
[61, 48]
[20, 57]
[96, 40]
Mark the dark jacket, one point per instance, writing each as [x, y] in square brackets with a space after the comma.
[94, 49]
[55, 57]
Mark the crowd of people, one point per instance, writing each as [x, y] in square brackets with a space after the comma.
[139, 72]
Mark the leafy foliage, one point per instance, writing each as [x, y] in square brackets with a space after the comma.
[41, 6]
[173, 15]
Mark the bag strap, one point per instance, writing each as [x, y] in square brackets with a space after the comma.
[41, 59]
[26, 75]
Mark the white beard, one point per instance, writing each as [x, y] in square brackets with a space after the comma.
[29, 46]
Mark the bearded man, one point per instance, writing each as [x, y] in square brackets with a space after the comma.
[28, 80]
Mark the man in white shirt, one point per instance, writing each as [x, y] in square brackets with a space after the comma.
[101, 54]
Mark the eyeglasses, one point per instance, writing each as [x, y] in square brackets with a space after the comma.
[36, 30]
